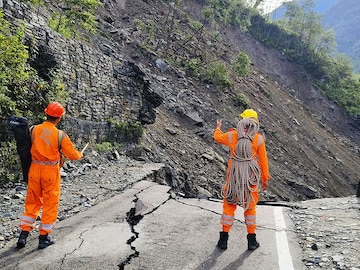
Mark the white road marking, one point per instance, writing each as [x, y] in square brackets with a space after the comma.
[284, 256]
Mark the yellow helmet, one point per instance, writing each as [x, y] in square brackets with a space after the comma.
[249, 113]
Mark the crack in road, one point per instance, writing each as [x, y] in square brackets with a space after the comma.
[78, 247]
[133, 218]
[236, 219]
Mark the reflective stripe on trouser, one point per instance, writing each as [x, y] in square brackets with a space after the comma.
[227, 222]
[43, 192]
[249, 214]
[228, 216]
[46, 227]
[27, 223]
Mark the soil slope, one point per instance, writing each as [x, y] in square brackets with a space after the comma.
[313, 146]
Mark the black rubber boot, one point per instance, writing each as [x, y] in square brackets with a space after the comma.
[222, 243]
[22, 239]
[252, 243]
[45, 241]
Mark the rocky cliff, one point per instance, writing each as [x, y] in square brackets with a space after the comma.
[313, 146]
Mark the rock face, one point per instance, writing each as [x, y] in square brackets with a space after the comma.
[313, 146]
[101, 85]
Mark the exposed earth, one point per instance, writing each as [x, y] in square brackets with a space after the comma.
[313, 146]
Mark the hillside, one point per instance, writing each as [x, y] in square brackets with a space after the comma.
[309, 154]
[313, 147]
[343, 19]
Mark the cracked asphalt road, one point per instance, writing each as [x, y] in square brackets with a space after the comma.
[148, 227]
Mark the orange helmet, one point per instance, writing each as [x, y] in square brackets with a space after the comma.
[55, 109]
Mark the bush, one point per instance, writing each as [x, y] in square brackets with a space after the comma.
[104, 147]
[193, 66]
[218, 74]
[242, 101]
[241, 65]
[10, 166]
[125, 131]
[196, 25]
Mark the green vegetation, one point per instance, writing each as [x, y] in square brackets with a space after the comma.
[71, 16]
[104, 147]
[147, 29]
[230, 12]
[242, 101]
[196, 25]
[301, 38]
[9, 163]
[193, 66]
[22, 92]
[130, 132]
[241, 65]
[218, 74]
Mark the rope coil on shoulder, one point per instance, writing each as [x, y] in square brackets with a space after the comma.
[244, 172]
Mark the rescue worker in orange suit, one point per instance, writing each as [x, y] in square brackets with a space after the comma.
[43, 189]
[247, 167]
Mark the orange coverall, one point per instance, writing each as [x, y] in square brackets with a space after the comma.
[44, 177]
[230, 139]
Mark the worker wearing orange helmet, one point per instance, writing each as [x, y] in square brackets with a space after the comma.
[43, 189]
[248, 165]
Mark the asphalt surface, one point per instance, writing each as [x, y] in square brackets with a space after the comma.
[146, 227]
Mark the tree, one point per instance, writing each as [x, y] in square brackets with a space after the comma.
[14, 70]
[72, 15]
[75, 15]
[22, 92]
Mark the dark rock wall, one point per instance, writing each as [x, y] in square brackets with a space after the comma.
[100, 84]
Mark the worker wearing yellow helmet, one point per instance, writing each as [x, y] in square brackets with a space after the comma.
[247, 167]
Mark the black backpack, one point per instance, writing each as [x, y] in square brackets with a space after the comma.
[20, 127]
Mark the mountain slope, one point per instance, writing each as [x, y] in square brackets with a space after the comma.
[308, 158]
[344, 19]
[146, 46]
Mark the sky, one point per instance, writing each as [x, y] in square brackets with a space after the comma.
[268, 6]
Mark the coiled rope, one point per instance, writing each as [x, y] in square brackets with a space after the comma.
[244, 173]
